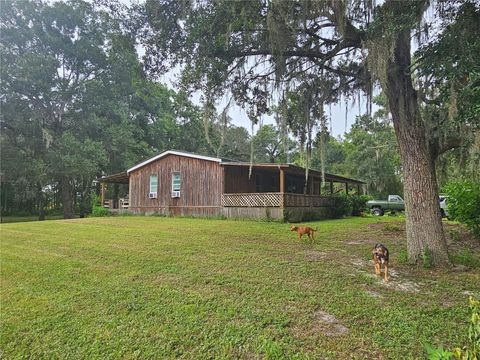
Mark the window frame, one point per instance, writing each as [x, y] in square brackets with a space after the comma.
[174, 173]
[150, 184]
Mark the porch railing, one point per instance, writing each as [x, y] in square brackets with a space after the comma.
[122, 203]
[301, 200]
[252, 200]
[273, 200]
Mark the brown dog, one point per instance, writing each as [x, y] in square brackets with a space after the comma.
[302, 230]
[380, 256]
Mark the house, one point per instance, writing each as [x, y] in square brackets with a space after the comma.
[180, 183]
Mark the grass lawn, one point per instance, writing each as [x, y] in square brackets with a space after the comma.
[152, 287]
[13, 219]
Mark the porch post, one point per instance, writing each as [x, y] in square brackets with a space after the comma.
[129, 193]
[282, 190]
[358, 190]
[282, 180]
[311, 185]
[346, 188]
[331, 187]
[102, 193]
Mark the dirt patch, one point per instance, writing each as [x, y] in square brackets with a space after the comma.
[313, 255]
[360, 263]
[355, 242]
[447, 304]
[329, 325]
[320, 323]
[396, 281]
[373, 294]
[403, 285]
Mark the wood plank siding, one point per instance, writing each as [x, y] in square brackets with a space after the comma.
[200, 191]
[211, 186]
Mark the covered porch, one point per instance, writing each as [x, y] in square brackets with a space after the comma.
[274, 189]
[114, 190]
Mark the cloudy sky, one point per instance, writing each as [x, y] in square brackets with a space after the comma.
[342, 115]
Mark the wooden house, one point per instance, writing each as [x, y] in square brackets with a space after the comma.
[180, 183]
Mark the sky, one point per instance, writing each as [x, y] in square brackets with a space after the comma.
[342, 115]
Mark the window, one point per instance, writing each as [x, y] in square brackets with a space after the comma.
[153, 184]
[176, 181]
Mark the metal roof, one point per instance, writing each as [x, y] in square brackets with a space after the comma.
[174, 152]
[296, 169]
[120, 178]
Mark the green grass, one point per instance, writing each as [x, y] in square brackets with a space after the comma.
[155, 288]
[14, 219]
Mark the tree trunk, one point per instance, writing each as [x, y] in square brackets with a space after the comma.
[425, 236]
[40, 203]
[85, 199]
[67, 198]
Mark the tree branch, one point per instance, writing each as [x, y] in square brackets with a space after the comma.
[452, 142]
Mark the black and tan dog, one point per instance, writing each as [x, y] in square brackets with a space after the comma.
[380, 256]
[302, 230]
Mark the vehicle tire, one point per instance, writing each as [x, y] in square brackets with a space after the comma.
[377, 212]
[443, 213]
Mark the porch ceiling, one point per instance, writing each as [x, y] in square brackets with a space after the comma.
[120, 178]
[297, 170]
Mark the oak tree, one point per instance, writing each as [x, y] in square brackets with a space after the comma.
[256, 49]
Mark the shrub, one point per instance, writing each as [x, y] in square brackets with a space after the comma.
[99, 211]
[469, 352]
[464, 203]
[359, 204]
[472, 349]
[340, 205]
[95, 200]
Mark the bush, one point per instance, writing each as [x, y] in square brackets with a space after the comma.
[464, 204]
[99, 211]
[95, 200]
[359, 204]
[471, 351]
[340, 205]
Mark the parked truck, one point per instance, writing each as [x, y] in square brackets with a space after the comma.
[394, 203]
[443, 206]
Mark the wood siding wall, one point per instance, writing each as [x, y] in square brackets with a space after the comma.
[200, 192]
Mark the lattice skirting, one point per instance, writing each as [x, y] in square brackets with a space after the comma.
[252, 200]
